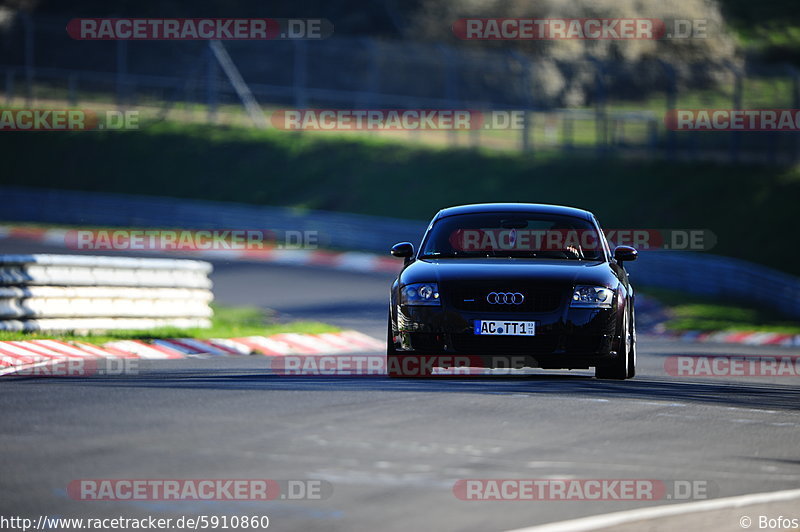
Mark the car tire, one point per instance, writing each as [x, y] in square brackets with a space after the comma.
[632, 349]
[394, 360]
[619, 368]
[390, 347]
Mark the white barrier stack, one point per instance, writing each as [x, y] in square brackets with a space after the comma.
[90, 293]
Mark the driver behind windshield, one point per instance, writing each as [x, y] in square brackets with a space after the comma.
[507, 235]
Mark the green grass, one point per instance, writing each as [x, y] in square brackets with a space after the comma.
[693, 313]
[758, 92]
[750, 208]
[228, 322]
[771, 28]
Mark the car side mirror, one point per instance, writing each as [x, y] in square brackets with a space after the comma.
[403, 250]
[625, 254]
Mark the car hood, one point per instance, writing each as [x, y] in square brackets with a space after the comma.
[562, 272]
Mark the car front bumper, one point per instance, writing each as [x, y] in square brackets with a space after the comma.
[565, 338]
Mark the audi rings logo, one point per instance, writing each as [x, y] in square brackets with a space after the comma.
[505, 298]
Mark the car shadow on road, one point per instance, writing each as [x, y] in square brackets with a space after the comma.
[731, 394]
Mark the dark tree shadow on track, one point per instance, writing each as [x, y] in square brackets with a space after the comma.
[742, 395]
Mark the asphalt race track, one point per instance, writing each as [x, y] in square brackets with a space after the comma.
[392, 450]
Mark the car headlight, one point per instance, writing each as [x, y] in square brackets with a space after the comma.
[592, 297]
[420, 294]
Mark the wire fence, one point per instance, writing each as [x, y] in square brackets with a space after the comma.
[579, 105]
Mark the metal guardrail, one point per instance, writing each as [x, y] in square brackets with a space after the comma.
[694, 272]
[84, 292]
[335, 230]
[719, 277]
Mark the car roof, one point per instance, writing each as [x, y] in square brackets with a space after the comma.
[539, 208]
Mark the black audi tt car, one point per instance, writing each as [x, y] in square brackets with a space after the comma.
[514, 285]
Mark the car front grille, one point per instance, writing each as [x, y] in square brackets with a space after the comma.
[537, 299]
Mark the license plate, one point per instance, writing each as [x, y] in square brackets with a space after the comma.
[505, 328]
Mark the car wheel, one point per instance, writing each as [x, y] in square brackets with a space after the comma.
[632, 349]
[392, 359]
[395, 367]
[390, 347]
[619, 368]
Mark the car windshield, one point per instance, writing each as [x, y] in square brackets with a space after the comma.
[518, 235]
